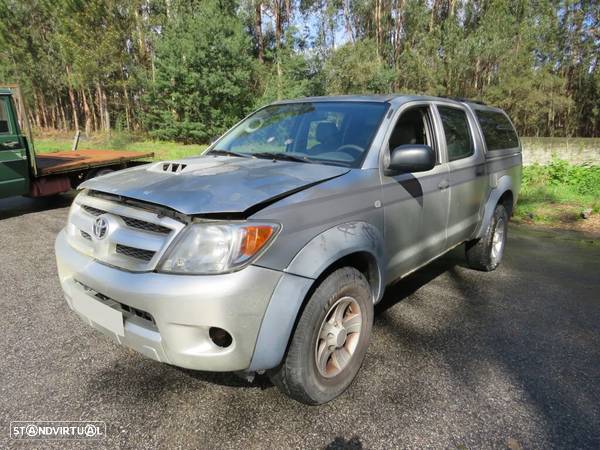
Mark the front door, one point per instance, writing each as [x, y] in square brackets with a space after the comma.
[416, 205]
[14, 166]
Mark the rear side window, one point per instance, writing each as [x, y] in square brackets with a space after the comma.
[497, 130]
[458, 135]
[4, 123]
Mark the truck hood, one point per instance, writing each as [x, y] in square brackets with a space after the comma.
[213, 184]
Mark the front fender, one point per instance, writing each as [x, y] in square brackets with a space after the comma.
[336, 243]
[308, 264]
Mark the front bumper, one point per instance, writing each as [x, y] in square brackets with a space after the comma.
[167, 317]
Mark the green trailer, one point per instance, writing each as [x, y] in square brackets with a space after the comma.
[22, 172]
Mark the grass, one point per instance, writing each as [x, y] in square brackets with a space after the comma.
[553, 204]
[54, 142]
[556, 195]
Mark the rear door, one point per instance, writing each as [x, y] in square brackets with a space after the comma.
[466, 164]
[14, 166]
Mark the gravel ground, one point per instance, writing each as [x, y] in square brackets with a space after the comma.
[458, 359]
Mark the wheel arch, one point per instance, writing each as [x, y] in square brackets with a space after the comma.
[355, 244]
[503, 194]
[363, 261]
[507, 200]
[362, 250]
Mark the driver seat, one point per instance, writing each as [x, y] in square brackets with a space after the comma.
[408, 130]
[327, 134]
[404, 133]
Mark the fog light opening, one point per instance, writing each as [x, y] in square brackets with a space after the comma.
[220, 337]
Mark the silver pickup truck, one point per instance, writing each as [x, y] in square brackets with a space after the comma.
[268, 252]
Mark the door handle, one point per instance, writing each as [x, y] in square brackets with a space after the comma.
[444, 184]
[480, 170]
[9, 145]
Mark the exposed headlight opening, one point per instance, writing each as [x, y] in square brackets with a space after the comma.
[217, 247]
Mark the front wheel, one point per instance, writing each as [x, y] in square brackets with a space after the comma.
[330, 341]
[486, 253]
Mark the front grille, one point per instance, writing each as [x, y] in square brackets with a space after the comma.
[138, 312]
[136, 253]
[147, 226]
[136, 242]
[113, 303]
[93, 211]
[130, 221]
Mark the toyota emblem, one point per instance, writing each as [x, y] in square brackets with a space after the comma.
[100, 227]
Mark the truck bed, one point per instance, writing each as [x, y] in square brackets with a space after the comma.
[69, 161]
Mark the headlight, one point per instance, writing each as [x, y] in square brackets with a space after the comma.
[216, 247]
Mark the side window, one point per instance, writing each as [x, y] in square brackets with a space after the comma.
[498, 132]
[456, 129]
[413, 127]
[4, 116]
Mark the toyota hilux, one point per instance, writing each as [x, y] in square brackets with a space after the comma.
[268, 252]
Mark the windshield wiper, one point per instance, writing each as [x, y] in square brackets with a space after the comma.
[282, 156]
[218, 151]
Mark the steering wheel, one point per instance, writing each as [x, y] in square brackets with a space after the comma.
[355, 151]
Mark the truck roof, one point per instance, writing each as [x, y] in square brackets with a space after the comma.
[386, 98]
[342, 98]
[5, 91]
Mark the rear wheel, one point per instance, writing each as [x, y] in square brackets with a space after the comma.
[486, 253]
[330, 341]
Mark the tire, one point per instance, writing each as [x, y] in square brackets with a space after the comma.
[486, 253]
[343, 294]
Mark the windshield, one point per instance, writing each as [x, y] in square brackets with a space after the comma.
[337, 133]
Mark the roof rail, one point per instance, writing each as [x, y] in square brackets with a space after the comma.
[463, 99]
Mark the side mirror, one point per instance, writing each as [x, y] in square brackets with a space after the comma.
[411, 158]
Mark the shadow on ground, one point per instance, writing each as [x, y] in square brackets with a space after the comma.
[18, 206]
[534, 323]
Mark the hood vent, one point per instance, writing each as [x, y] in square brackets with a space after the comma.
[173, 167]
